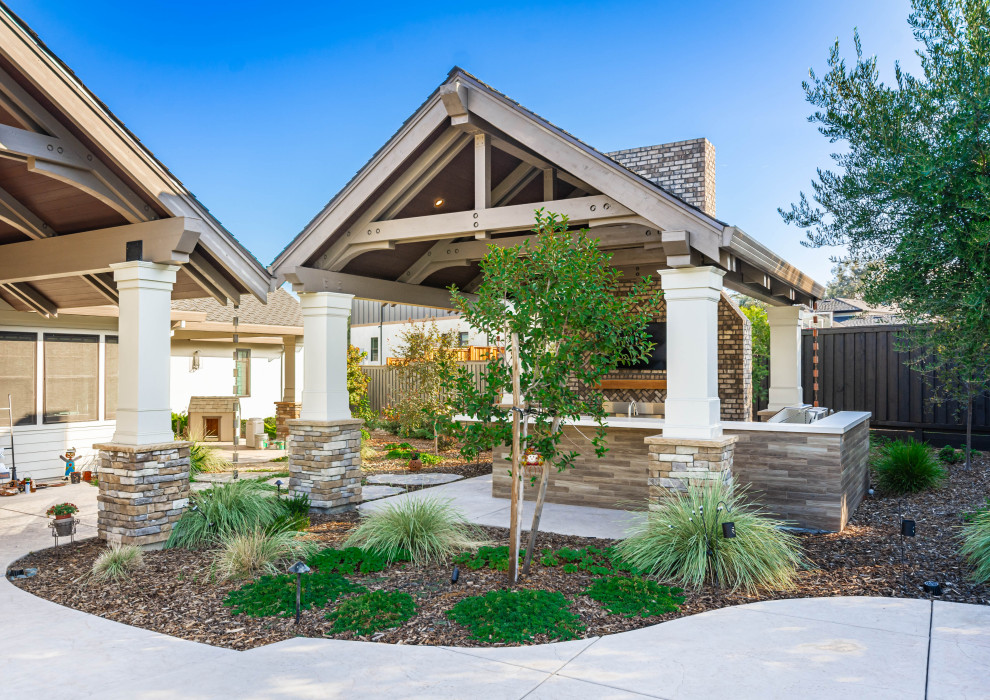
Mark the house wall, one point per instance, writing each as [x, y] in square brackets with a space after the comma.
[37, 447]
[361, 335]
[215, 376]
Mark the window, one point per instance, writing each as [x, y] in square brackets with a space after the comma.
[374, 349]
[110, 371]
[71, 369]
[242, 372]
[463, 339]
[18, 376]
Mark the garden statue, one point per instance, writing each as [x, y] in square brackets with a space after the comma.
[70, 462]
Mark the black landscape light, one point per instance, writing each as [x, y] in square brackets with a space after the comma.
[235, 474]
[278, 486]
[907, 527]
[932, 587]
[299, 568]
[728, 529]
[455, 575]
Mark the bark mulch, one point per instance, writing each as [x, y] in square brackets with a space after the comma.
[177, 592]
[453, 462]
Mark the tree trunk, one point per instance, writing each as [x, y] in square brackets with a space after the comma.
[969, 426]
[515, 508]
[538, 510]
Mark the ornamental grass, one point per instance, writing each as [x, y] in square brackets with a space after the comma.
[117, 562]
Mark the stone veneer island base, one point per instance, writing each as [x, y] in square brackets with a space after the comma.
[676, 463]
[325, 463]
[143, 491]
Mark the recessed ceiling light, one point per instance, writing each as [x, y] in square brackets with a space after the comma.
[438, 202]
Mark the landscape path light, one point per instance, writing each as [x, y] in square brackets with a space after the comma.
[299, 568]
[278, 486]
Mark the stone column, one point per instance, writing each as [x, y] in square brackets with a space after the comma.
[143, 472]
[692, 407]
[325, 442]
[785, 357]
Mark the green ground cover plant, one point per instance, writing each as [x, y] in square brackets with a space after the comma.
[632, 596]
[271, 596]
[371, 612]
[117, 562]
[907, 467]
[950, 455]
[427, 529]
[975, 547]
[517, 616]
[594, 560]
[496, 558]
[352, 560]
[670, 544]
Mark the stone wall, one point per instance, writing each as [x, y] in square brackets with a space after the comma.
[325, 463]
[735, 364]
[143, 491]
[676, 463]
[284, 412]
[683, 168]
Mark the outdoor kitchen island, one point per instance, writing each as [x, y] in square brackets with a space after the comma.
[811, 475]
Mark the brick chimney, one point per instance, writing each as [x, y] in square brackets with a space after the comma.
[683, 168]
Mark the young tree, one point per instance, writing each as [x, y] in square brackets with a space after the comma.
[557, 300]
[427, 358]
[756, 312]
[357, 383]
[847, 279]
[910, 195]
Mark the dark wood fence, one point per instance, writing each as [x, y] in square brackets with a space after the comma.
[863, 369]
[388, 382]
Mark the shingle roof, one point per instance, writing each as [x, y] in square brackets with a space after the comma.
[282, 309]
[213, 404]
[872, 319]
[842, 304]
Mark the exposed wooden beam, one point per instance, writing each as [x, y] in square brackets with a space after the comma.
[751, 275]
[527, 157]
[782, 290]
[204, 283]
[91, 252]
[23, 118]
[549, 184]
[104, 284]
[33, 298]
[308, 279]
[482, 171]
[31, 144]
[511, 185]
[214, 277]
[419, 175]
[13, 212]
[85, 180]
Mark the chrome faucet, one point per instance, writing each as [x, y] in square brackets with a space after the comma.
[633, 409]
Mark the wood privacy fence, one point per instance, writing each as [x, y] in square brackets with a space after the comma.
[862, 369]
[387, 382]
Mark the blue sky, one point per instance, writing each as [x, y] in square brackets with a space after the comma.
[264, 110]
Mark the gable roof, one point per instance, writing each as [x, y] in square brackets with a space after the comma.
[281, 310]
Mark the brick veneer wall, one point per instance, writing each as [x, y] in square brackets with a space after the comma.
[284, 412]
[735, 363]
[683, 168]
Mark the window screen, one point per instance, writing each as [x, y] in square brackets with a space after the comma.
[242, 373]
[374, 349]
[71, 369]
[110, 372]
[18, 376]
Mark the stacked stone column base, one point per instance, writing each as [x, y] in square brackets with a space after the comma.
[284, 412]
[325, 463]
[143, 491]
[676, 463]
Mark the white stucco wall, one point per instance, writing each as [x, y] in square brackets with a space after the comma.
[215, 376]
[361, 335]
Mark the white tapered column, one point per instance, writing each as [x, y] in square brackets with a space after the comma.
[692, 408]
[144, 416]
[785, 357]
[324, 394]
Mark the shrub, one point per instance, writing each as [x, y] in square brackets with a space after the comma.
[351, 560]
[247, 554]
[238, 507]
[371, 612]
[670, 543]
[180, 424]
[517, 616]
[428, 529]
[276, 595]
[907, 467]
[270, 427]
[950, 455]
[631, 597]
[975, 547]
[492, 557]
[204, 458]
[117, 562]
[591, 559]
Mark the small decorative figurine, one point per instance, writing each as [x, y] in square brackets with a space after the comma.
[70, 462]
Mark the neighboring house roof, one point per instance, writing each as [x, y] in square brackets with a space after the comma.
[840, 305]
[871, 319]
[282, 309]
[213, 404]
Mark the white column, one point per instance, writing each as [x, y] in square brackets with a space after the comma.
[692, 409]
[785, 357]
[324, 394]
[144, 416]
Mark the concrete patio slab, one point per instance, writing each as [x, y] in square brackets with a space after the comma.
[376, 491]
[562, 688]
[548, 658]
[900, 615]
[428, 479]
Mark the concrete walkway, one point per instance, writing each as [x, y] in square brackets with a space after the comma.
[814, 648]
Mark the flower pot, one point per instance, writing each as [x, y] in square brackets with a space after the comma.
[63, 527]
[87, 476]
[74, 477]
[415, 464]
[63, 517]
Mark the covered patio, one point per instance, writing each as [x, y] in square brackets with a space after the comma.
[467, 171]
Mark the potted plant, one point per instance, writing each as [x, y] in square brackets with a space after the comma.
[414, 462]
[61, 511]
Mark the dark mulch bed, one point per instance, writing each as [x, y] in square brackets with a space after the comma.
[453, 462]
[175, 592]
